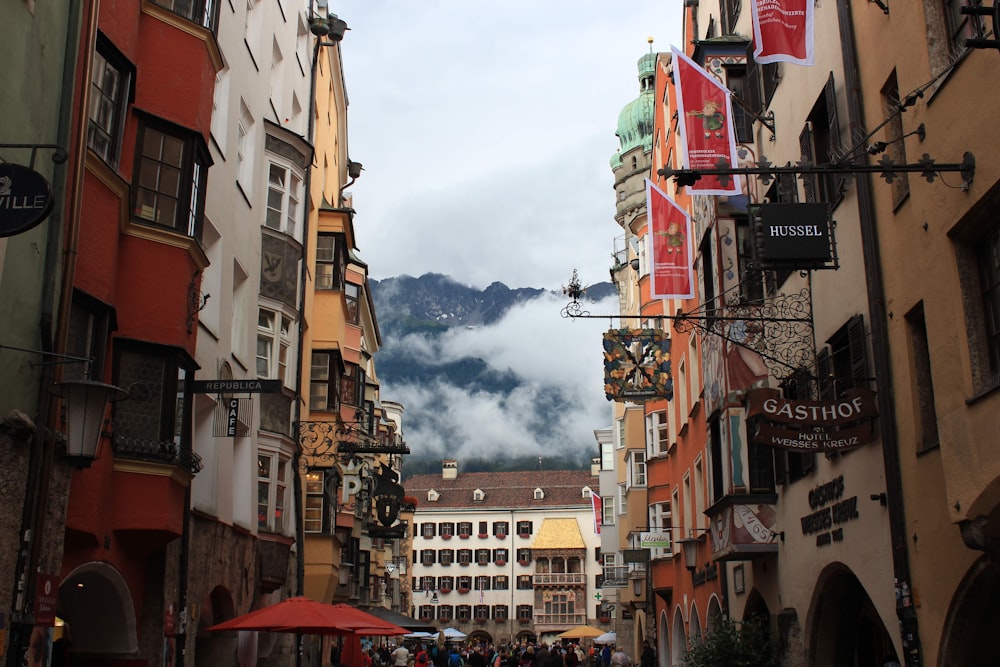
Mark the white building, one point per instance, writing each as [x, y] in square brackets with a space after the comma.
[505, 556]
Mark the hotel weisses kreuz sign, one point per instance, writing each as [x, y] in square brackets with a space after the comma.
[25, 198]
[812, 426]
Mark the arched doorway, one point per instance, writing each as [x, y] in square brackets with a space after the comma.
[714, 613]
[96, 605]
[663, 641]
[218, 648]
[846, 628]
[694, 625]
[970, 636]
[678, 638]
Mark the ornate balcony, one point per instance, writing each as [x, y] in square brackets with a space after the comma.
[560, 579]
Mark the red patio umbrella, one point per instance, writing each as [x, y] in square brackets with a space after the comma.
[309, 617]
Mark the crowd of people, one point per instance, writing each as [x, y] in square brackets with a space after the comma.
[484, 654]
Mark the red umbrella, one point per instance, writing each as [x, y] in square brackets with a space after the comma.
[300, 614]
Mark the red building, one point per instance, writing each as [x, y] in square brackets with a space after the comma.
[145, 118]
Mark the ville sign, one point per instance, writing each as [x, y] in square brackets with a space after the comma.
[25, 198]
[816, 426]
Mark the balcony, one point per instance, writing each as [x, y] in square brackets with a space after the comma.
[565, 620]
[560, 579]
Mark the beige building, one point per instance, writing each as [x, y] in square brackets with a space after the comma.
[504, 556]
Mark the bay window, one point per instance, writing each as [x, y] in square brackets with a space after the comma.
[272, 490]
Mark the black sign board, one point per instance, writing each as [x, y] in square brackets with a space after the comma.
[793, 236]
[25, 198]
[237, 386]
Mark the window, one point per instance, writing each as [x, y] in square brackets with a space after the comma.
[539, 494]
[622, 499]
[922, 381]
[729, 13]
[427, 556]
[500, 529]
[524, 612]
[560, 603]
[464, 529]
[202, 12]
[988, 261]
[426, 612]
[660, 521]
[844, 363]
[761, 82]
[428, 529]
[331, 255]
[464, 583]
[446, 529]
[446, 612]
[500, 555]
[111, 89]
[500, 612]
[482, 583]
[637, 469]
[463, 612]
[244, 148]
[657, 434]
[324, 382]
[445, 584]
[959, 26]
[524, 582]
[893, 138]
[608, 511]
[446, 556]
[483, 527]
[481, 612]
[791, 466]
[607, 456]
[427, 584]
[736, 81]
[524, 555]
[272, 490]
[351, 295]
[524, 528]
[89, 329]
[320, 496]
[483, 556]
[171, 168]
[146, 422]
[274, 339]
[820, 143]
[501, 583]
[352, 385]
[464, 556]
[284, 192]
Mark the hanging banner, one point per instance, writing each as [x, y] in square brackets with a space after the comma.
[668, 246]
[597, 505]
[637, 365]
[782, 31]
[705, 117]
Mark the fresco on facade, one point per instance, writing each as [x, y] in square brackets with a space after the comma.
[737, 527]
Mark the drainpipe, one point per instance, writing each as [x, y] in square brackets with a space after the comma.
[912, 655]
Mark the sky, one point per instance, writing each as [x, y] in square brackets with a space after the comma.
[486, 130]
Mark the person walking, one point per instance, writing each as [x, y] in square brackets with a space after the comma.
[648, 657]
[401, 657]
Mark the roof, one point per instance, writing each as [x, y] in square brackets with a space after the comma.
[514, 489]
[559, 534]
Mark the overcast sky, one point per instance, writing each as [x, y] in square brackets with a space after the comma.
[486, 130]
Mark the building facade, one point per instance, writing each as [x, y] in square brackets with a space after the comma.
[506, 556]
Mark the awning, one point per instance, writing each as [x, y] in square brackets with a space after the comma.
[402, 620]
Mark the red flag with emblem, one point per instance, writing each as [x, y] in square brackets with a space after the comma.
[782, 31]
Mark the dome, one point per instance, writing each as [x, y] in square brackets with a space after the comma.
[635, 122]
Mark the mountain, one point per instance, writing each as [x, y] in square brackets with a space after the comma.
[415, 315]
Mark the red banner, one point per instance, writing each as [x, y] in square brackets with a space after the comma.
[782, 31]
[705, 116]
[598, 507]
[669, 247]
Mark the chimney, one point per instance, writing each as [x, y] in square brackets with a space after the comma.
[595, 466]
[449, 469]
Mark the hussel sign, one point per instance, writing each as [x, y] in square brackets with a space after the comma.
[819, 426]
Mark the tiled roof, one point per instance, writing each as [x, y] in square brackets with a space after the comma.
[559, 534]
[516, 490]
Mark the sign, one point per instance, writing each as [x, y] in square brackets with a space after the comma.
[831, 511]
[25, 198]
[637, 365]
[816, 439]
[856, 404]
[669, 246]
[654, 540]
[237, 386]
[632, 556]
[46, 597]
[793, 235]
[783, 31]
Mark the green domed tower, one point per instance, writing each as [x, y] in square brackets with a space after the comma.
[635, 122]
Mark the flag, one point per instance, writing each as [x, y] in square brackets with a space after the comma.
[705, 116]
[668, 246]
[598, 505]
[782, 31]
[482, 594]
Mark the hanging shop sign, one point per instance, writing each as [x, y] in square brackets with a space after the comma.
[25, 198]
[231, 386]
[637, 365]
[793, 236]
[818, 426]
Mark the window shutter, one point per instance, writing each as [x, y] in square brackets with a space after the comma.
[753, 87]
[806, 151]
[826, 385]
[858, 350]
[835, 149]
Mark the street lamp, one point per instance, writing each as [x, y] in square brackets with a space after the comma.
[690, 547]
[86, 407]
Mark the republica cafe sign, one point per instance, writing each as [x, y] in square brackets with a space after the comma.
[812, 426]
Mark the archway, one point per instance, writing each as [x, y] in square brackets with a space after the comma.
[970, 635]
[679, 638]
[219, 648]
[846, 628]
[714, 613]
[663, 641]
[694, 625]
[96, 604]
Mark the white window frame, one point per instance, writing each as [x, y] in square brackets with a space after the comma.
[273, 484]
[657, 434]
[659, 520]
[244, 152]
[637, 468]
[608, 511]
[284, 197]
[622, 496]
[274, 344]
